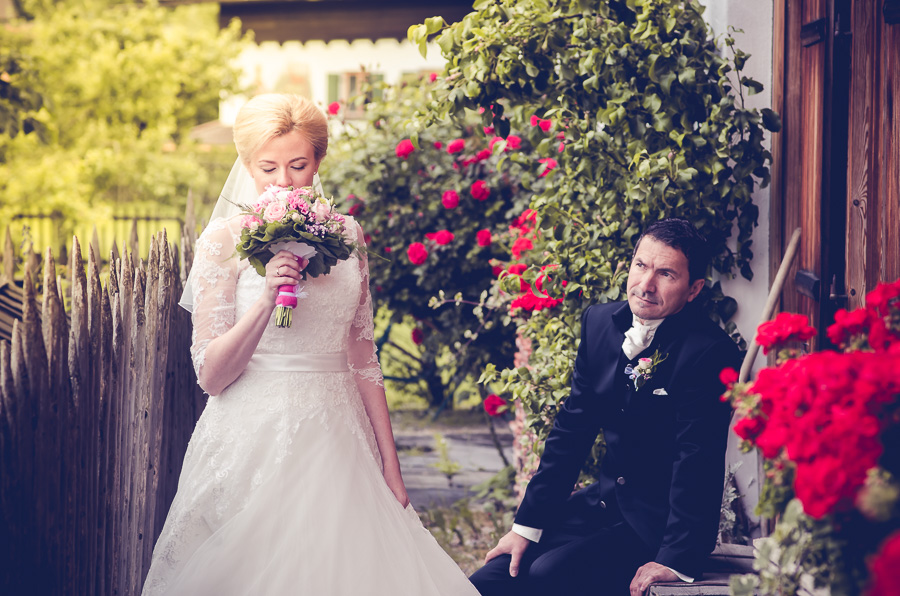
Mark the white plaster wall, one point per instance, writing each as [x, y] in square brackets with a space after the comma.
[755, 18]
[264, 65]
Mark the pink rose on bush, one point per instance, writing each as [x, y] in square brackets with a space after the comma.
[544, 124]
[404, 148]
[275, 211]
[450, 199]
[442, 237]
[483, 237]
[550, 164]
[480, 190]
[456, 146]
[333, 108]
[494, 405]
[417, 253]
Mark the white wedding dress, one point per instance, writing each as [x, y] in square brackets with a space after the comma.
[282, 491]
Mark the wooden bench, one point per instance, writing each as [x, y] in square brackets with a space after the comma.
[725, 561]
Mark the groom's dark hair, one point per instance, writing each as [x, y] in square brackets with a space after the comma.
[681, 234]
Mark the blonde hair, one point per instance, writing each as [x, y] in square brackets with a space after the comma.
[272, 115]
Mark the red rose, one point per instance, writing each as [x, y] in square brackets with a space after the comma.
[513, 142]
[550, 164]
[456, 146]
[418, 336]
[417, 253]
[535, 120]
[483, 237]
[517, 268]
[494, 141]
[404, 148]
[438, 144]
[728, 376]
[432, 77]
[494, 405]
[442, 237]
[521, 245]
[480, 190]
[450, 199]
[333, 108]
[483, 155]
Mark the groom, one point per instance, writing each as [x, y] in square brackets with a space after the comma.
[653, 513]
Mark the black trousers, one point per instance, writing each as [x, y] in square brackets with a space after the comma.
[574, 558]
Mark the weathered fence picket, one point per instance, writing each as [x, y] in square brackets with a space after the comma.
[97, 404]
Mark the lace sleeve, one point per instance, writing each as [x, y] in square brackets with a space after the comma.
[362, 353]
[214, 281]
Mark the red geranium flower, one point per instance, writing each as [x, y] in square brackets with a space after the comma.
[885, 568]
[404, 148]
[442, 237]
[483, 237]
[494, 405]
[848, 325]
[334, 107]
[480, 190]
[418, 336]
[728, 376]
[748, 428]
[450, 199]
[456, 146]
[550, 164]
[417, 253]
[786, 327]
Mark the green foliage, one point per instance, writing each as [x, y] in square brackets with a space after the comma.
[123, 85]
[644, 117]
[19, 101]
[399, 200]
[803, 554]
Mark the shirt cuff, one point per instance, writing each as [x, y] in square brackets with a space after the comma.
[532, 534]
[681, 576]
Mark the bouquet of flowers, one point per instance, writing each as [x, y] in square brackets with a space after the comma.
[827, 425]
[298, 220]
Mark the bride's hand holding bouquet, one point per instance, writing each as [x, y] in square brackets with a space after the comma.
[291, 233]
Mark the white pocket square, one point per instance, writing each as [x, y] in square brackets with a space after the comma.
[660, 392]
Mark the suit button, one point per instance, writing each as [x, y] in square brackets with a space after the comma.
[602, 504]
[620, 480]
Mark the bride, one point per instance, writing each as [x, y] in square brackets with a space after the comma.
[291, 482]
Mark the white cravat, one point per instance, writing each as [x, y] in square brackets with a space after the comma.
[638, 338]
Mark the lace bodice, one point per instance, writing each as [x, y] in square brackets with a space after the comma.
[335, 315]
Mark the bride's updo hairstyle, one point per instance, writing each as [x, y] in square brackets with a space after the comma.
[271, 115]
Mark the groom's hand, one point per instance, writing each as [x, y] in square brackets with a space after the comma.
[513, 545]
[650, 573]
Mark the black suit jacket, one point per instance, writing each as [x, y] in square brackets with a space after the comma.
[664, 466]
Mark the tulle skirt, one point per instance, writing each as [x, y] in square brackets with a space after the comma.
[258, 514]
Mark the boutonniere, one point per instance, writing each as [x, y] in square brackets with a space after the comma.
[643, 371]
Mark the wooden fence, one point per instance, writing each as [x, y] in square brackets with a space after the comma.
[97, 403]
